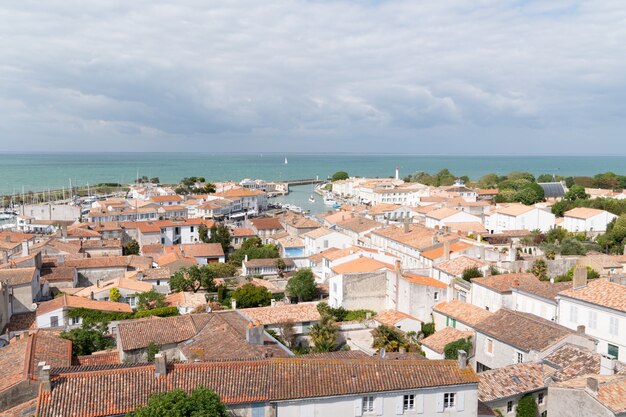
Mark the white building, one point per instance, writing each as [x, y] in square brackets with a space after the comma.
[441, 217]
[600, 306]
[515, 216]
[54, 313]
[323, 238]
[582, 219]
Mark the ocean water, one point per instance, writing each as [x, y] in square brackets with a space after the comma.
[36, 172]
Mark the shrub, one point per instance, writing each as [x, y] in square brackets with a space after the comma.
[451, 350]
[152, 350]
[526, 407]
[472, 272]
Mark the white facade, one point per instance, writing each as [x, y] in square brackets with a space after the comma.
[421, 402]
[56, 318]
[330, 240]
[460, 217]
[489, 299]
[532, 304]
[605, 324]
[595, 223]
[535, 218]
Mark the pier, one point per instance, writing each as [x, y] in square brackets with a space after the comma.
[304, 182]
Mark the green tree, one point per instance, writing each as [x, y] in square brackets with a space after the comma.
[86, 341]
[614, 239]
[131, 248]
[280, 267]
[302, 285]
[444, 177]
[220, 270]
[529, 194]
[155, 180]
[340, 175]
[114, 294]
[391, 339]
[472, 272]
[323, 335]
[254, 249]
[571, 246]
[540, 269]
[527, 407]
[149, 300]
[576, 192]
[203, 233]
[451, 350]
[152, 350]
[250, 295]
[176, 403]
[220, 234]
[193, 278]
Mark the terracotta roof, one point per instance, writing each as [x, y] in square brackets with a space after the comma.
[611, 390]
[359, 224]
[360, 265]
[543, 289]
[71, 301]
[13, 363]
[166, 198]
[209, 250]
[418, 237]
[152, 249]
[438, 252]
[442, 213]
[464, 312]
[299, 221]
[488, 191]
[583, 213]
[121, 390]
[600, 292]
[456, 266]
[266, 223]
[124, 283]
[105, 262]
[317, 233]
[18, 276]
[101, 243]
[291, 242]
[22, 321]
[438, 340]
[15, 237]
[102, 358]
[186, 299]
[26, 409]
[239, 192]
[513, 380]
[282, 313]
[268, 262]
[47, 346]
[58, 274]
[573, 361]
[505, 282]
[466, 227]
[422, 280]
[513, 209]
[138, 334]
[242, 232]
[391, 317]
[521, 330]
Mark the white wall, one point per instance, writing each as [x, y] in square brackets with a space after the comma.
[596, 223]
[487, 299]
[535, 305]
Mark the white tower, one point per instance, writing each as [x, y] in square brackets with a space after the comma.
[397, 172]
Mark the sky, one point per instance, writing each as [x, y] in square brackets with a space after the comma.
[372, 76]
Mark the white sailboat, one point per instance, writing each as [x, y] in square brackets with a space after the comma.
[286, 162]
[311, 199]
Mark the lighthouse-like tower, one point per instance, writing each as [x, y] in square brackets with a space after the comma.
[397, 172]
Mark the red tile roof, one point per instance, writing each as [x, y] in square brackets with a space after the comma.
[70, 301]
[118, 391]
[422, 280]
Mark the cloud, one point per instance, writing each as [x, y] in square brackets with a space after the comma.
[313, 75]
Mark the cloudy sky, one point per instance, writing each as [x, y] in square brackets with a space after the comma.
[475, 76]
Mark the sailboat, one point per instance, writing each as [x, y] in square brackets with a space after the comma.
[286, 162]
[311, 199]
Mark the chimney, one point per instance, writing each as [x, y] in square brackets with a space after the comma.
[245, 258]
[481, 252]
[580, 329]
[233, 304]
[406, 227]
[64, 231]
[160, 365]
[91, 295]
[40, 366]
[580, 277]
[383, 353]
[402, 349]
[25, 248]
[592, 386]
[446, 250]
[7, 238]
[254, 333]
[608, 365]
[462, 359]
[512, 253]
[273, 302]
[352, 214]
[45, 378]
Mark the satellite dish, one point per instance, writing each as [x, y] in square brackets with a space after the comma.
[33, 306]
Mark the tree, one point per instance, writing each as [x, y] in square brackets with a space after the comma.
[571, 246]
[323, 334]
[192, 279]
[287, 333]
[472, 272]
[85, 341]
[340, 175]
[254, 249]
[526, 407]
[280, 267]
[250, 295]
[576, 192]
[614, 239]
[220, 270]
[114, 294]
[302, 285]
[203, 233]
[149, 300]
[155, 180]
[391, 339]
[451, 350]
[132, 248]
[220, 234]
[176, 403]
[152, 350]
[540, 269]
[529, 194]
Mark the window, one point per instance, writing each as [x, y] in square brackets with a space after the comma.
[520, 357]
[593, 319]
[614, 326]
[482, 368]
[54, 321]
[509, 406]
[436, 295]
[409, 402]
[540, 398]
[368, 404]
[448, 400]
[132, 301]
[613, 351]
[489, 346]
[544, 414]
[573, 314]
[191, 229]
